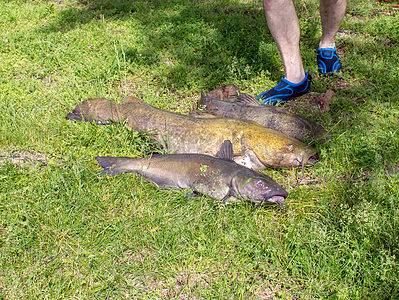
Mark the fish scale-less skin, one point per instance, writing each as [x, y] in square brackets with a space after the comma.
[202, 173]
[271, 117]
[185, 134]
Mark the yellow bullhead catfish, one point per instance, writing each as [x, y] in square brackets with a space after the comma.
[227, 102]
[253, 145]
[218, 177]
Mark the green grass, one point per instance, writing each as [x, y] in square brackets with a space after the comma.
[68, 232]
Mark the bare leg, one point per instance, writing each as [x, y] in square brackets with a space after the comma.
[332, 13]
[283, 24]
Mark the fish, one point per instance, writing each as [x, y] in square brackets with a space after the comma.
[227, 102]
[254, 146]
[217, 177]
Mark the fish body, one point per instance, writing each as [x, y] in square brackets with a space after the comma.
[215, 177]
[245, 107]
[253, 145]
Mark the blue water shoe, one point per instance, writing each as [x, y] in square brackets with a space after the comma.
[284, 91]
[328, 60]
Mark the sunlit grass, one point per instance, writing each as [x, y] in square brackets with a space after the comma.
[66, 231]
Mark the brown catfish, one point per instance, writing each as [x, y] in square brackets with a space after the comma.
[228, 102]
[254, 146]
[220, 178]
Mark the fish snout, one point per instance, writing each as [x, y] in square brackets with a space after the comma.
[305, 161]
[313, 159]
[277, 200]
[276, 195]
[75, 115]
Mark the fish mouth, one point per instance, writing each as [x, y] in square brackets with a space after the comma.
[276, 200]
[75, 115]
[313, 159]
[278, 197]
[310, 161]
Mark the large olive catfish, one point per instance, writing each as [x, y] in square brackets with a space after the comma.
[254, 145]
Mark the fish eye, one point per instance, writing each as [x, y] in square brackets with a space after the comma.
[260, 184]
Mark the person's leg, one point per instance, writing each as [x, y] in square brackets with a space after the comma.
[284, 26]
[332, 12]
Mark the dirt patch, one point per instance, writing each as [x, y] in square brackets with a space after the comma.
[181, 286]
[392, 170]
[192, 279]
[345, 33]
[268, 293]
[324, 100]
[47, 80]
[295, 178]
[2, 231]
[23, 158]
[342, 84]
[391, 11]
[137, 256]
[228, 93]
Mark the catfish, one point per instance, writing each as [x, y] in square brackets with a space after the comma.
[228, 102]
[254, 146]
[218, 177]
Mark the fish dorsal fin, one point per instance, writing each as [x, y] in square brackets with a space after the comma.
[226, 151]
[247, 100]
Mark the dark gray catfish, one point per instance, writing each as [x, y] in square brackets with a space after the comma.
[218, 177]
[227, 102]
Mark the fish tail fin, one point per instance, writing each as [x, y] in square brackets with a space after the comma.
[100, 111]
[115, 165]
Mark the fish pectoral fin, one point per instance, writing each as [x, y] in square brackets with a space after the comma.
[249, 160]
[226, 151]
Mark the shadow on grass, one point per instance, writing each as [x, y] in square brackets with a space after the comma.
[210, 42]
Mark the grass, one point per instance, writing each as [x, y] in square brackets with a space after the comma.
[68, 232]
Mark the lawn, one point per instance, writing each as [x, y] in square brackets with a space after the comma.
[68, 232]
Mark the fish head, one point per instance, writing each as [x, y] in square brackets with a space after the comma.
[290, 154]
[257, 188]
[100, 111]
[275, 149]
